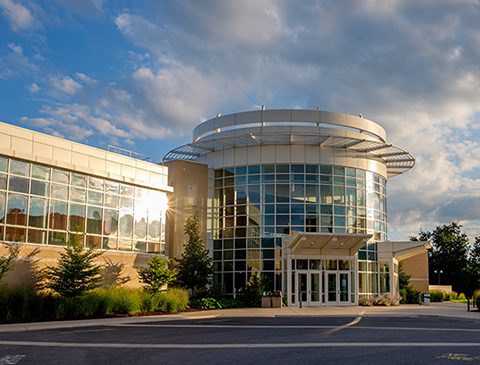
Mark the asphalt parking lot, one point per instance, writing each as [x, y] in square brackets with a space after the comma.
[210, 338]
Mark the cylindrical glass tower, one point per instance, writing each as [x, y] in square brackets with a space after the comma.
[277, 173]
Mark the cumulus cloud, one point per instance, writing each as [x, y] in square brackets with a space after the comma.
[65, 85]
[33, 88]
[20, 17]
[410, 66]
[15, 63]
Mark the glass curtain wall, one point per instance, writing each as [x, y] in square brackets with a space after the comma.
[254, 206]
[40, 204]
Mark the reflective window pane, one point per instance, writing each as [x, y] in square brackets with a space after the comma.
[79, 180]
[59, 191]
[110, 225]
[111, 201]
[94, 220]
[78, 195]
[19, 167]
[58, 215]
[3, 164]
[126, 190]
[140, 224]
[2, 207]
[60, 176]
[95, 183]
[112, 187]
[40, 172]
[18, 184]
[154, 229]
[95, 197]
[3, 181]
[126, 203]
[15, 234]
[38, 212]
[57, 238]
[126, 224]
[41, 188]
[76, 218]
[37, 236]
[17, 209]
[124, 245]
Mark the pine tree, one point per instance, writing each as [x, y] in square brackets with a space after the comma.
[156, 276]
[195, 266]
[75, 273]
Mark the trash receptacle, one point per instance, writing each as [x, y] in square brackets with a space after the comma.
[276, 299]
[266, 300]
[426, 299]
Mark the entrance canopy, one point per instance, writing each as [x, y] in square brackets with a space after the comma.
[311, 243]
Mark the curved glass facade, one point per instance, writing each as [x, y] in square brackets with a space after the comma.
[256, 205]
[40, 204]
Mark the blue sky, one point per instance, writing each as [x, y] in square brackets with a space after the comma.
[141, 75]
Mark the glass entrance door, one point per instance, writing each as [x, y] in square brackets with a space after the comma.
[314, 295]
[309, 285]
[337, 284]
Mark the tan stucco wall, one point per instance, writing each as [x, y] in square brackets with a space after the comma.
[417, 267]
[118, 268]
[183, 204]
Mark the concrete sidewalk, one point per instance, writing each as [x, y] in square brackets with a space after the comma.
[445, 309]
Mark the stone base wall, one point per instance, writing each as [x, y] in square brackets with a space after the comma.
[118, 268]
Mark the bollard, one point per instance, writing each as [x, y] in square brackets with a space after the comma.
[468, 304]
[420, 298]
[300, 298]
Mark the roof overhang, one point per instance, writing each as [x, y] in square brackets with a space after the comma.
[341, 244]
[402, 250]
[396, 159]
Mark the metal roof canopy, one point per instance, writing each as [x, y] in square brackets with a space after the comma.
[395, 158]
[325, 243]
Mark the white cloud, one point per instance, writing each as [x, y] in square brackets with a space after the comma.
[20, 17]
[85, 78]
[33, 88]
[65, 85]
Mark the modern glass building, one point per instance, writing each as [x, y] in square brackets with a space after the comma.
[50, 186]
[299, 196]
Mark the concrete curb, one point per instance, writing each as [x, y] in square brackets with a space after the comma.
[443, 310]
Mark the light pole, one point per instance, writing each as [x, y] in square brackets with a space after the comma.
[439, 272]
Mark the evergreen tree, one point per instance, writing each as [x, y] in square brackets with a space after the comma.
[75, 273]
[157, 275]
[195, 266]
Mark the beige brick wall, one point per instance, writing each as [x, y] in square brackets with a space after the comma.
[118, 268]
[417, 267]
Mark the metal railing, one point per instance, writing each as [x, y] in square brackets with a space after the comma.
[132, 154]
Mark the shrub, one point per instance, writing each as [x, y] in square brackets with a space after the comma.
[409, 295]
[450, 296]
[205, 303]
[385, 299]
[6, 262]
[436, 296]
[173, 300]
[229, 303]
[157, 275]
